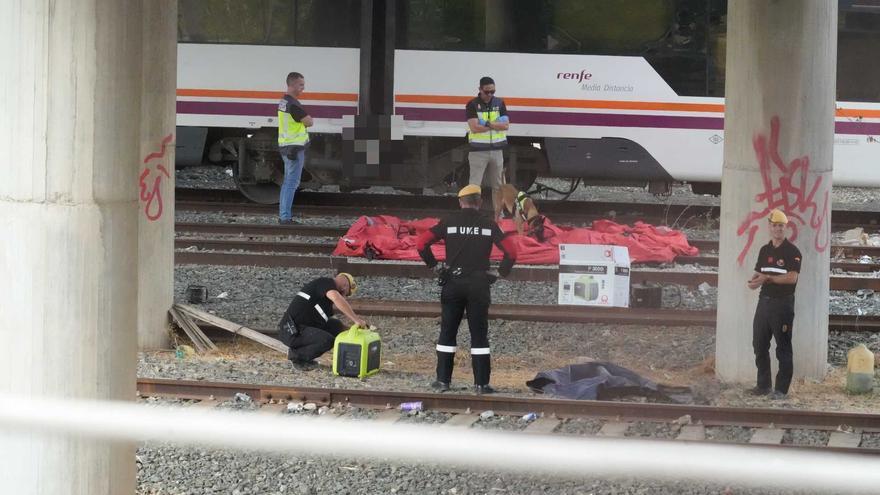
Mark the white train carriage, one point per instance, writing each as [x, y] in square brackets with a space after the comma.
[654, 118]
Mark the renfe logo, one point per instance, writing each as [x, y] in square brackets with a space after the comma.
[581, 76]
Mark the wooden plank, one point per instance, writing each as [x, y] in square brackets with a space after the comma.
[195, 334]
[542, 426]
[769, 436]
[234, 328]
[462, 420]
[844, 439]
[198, 332]
[183, 324]
[614, 429]
[692, 433]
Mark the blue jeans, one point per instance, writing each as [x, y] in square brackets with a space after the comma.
[293, 168]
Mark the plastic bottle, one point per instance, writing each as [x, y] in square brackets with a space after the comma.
[859, 370]
[411, 406]
[530, 416]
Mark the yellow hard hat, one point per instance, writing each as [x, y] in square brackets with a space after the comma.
[351, 283]
[469, 189]
[776, 216]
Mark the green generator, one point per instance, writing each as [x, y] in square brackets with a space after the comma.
[357, 352]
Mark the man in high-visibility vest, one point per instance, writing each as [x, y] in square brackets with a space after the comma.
[293, 139]
[487, 135]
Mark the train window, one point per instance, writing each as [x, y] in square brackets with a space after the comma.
[858, 36]
[333, 23]
[681, 39]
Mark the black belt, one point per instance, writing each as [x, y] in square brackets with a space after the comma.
[787, 297]
[458, 272]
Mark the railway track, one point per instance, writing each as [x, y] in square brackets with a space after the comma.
[579, 314]
[324, 204]
[326, 248]
[845, 430]
[413, 269]
[253, 230]
[566, 314]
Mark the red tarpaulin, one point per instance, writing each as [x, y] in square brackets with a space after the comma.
[390, 238]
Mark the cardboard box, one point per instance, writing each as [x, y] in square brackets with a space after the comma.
[621, 276]
[590, 275]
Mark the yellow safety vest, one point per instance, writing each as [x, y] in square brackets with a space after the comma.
[490, 139]
[290, 132]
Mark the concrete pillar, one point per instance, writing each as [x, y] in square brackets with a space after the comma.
[779, 134]
[156, 173]
[71, 90]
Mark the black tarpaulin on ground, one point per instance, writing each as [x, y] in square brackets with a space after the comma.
[603, 380]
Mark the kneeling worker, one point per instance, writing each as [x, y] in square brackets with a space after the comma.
[469, 238]
[307, 327]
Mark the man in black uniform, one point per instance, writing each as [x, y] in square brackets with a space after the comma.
[776, 273]
[307, 326]
[469, 238]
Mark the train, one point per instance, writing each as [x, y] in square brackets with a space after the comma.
[609, 92]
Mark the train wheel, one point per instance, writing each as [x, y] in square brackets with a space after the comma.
[266, 193]
[258, 173]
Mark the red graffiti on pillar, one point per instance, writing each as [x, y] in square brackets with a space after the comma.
[793, 192]
[152, 196]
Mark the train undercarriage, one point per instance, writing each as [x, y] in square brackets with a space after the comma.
[435, 163]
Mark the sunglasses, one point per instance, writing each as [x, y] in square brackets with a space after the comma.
[490, 92]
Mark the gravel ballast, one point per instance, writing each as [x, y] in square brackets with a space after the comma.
[257, 297]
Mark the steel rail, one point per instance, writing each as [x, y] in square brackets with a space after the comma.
[249, 229]
[560, 408]
[652, 317]
[260, 229]
[570, 216]
[327, 248]
[586, 314]
[548, 273]
[213, 200]
[287, 247]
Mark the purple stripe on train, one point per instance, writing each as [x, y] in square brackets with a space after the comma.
[612, 120]
[572, 118]
[259, 109]
[522, 117]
